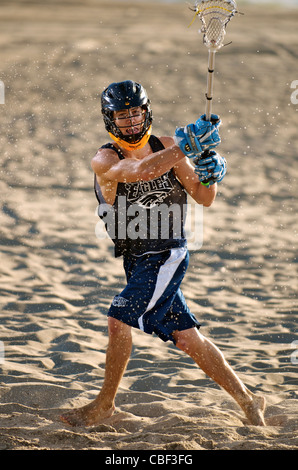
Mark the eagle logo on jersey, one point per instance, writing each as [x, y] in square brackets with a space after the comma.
[149, 194]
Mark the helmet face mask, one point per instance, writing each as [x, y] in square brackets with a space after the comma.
[131, 99]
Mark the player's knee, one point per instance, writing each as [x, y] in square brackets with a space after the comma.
[118, 329]
[187, 339]
[182, 344]
[182, 339]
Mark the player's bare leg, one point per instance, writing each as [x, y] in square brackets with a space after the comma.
[210, 359]
[117, 356]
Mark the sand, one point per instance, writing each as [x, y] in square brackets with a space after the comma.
[58, 278]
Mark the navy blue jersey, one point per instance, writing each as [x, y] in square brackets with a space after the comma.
[146, 216]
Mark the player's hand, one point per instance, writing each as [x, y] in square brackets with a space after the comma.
[210, 168]
[193, 139]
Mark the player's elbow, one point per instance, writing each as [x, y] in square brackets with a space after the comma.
[208, 203]
[209, 198]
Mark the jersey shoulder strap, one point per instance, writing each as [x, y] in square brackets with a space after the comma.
[111, 146]
[155, 144]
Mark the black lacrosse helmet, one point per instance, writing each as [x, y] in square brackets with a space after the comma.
[125, 95]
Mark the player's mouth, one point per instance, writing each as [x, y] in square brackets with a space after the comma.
[133, 130]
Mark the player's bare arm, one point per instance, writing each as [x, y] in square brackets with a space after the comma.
[108, 167]
[189, 180]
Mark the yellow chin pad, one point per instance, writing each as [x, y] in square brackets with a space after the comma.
[132, 146]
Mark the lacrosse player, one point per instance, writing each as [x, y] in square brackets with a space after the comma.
[135, 174]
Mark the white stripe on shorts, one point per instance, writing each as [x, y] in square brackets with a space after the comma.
[164, 277]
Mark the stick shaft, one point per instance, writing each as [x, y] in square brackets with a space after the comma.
[209, 93]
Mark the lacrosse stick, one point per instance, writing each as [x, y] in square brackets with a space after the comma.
[215, 15]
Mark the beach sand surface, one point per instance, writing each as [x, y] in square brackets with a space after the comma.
[58, 278]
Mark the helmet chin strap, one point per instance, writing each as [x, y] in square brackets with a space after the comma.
[132, 146]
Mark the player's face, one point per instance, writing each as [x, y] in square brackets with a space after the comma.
[130, 121]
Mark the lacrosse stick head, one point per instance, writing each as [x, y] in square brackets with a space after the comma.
[215, 15]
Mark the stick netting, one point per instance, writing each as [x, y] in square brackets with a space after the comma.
[215, 14]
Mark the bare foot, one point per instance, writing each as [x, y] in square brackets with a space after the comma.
[88, 415]
[255, 410]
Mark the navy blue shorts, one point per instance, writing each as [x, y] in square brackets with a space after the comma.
[152, 300]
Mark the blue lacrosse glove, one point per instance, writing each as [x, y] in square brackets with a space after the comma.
[193, 139]
[210, 168]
